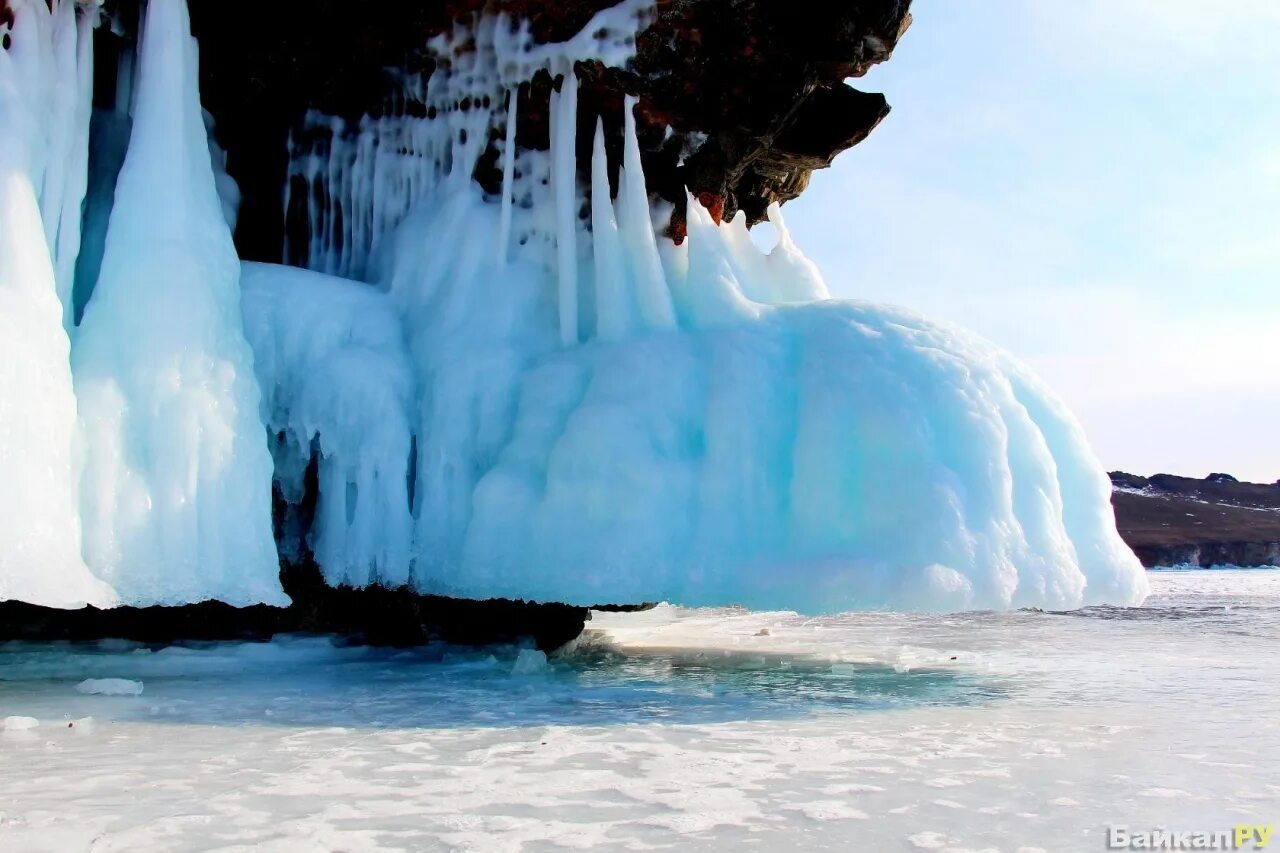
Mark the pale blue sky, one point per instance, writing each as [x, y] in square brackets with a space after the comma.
[1095, 186]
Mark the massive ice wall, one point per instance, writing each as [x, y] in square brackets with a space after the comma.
[176, 489]
[532, 393]
[43, 100]
[606, 416]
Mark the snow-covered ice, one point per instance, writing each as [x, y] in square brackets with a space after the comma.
[673, 728]
[19, 724]
[110, 687]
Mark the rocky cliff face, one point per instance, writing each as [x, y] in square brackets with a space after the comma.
[740, 100]
[1172, 521]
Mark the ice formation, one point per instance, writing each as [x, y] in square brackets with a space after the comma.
[176, 490]
[531, 394]
[332, 362]
[605, 416]
[43, 97]
[109, 687]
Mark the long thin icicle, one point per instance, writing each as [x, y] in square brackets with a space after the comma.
[653, 296]
[508, 176]
[612, 315]
[76, 33]
[564, 170]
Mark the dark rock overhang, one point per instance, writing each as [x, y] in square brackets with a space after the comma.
[753, 91]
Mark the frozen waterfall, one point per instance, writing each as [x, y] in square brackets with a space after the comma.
[534, 394]
[176, 491]
[43, 164]
[606, 416]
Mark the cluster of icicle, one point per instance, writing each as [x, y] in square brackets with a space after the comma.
[603, 415]
[132, 452]
[45, 101]
[504, 398]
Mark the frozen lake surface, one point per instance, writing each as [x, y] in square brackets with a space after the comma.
[692, 729]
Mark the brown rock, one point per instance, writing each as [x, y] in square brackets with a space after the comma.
[1170, 520]
[753, 91]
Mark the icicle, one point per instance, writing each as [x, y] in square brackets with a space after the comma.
[799, 278]
[334, 513]
[125, 74]
[373, 181]
[331, 359]
[564, 171]
[78, 33]
[730, 461]
[612, 314]
[40, 559]
[508, 176]
[59, 101]
[653, 296]
[176, 489]
[53, 49]
[712, 294]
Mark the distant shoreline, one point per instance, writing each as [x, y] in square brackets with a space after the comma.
[1181, 522]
